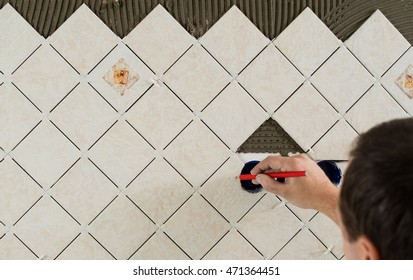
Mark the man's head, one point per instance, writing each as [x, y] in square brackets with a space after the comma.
[376, 200]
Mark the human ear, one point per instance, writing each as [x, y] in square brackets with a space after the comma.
[370, 251]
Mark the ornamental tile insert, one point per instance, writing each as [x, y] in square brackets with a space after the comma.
[405, 81]
[121, 77]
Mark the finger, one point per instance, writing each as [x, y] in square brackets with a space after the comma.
[271, 185]
[276, 163]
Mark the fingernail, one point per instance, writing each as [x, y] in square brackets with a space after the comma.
[258, 179]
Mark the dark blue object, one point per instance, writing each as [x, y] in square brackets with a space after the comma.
[248, 185]
[332, 171]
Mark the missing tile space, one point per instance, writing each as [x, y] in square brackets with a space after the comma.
[405, 81]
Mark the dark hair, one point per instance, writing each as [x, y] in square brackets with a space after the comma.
[376, 197]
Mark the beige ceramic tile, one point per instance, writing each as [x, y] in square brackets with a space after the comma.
[306, 116]
[196, 153]
[342, 80]
[336, 144]
[84, 247]
[233, 247]
[234, 115]
[83, 116]
[223, 190]
[390, 78]
[12, 249]
[375, 107]
[45, 78]
[47, 229]
[304, 246]
[17, 41]
[17, 116]
[234, 41]
[122, 228]
[159, 196]
[84, 191]
[197, 78]
[18, 192]
[121, 154]
[83, 31]
[131, 94]
[377, 44]
[159, 122]
[159, 247]
[270, 78]
[46, 154]
[159, 40]
[307, 42]
[269, 225]
[196, 227]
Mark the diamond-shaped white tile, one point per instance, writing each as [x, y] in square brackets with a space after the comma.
[159, 116]
[131, 94]
[47, 229]
[121, 154]
[196, 227]
[223, 190]
[159, 247]
[342, 80]
[304, 246]
[234, 115]
[307, 42]
[17, 116]
[84, 247]
[17, 39]
[233, 247]
[12, 249]
[46, 154]
[159, 40]
[270, 78]
[377, 43]
[18, 192]
[197, 78]
[82, 31]
[83, 116]
[122, 228]
[196, 153]
[375, 107]
[269, 225]
[84, 191]
[306, 116]
[45, 78]
[390, 78]
[159, 196]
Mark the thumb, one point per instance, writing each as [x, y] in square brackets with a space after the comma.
[271, 185]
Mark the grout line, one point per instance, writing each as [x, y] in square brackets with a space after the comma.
[64, 97]
[254, 58]
[178, 246]
[213, 173]
[252, 207]
[28, 174]
[215, 59]
[288, 98]
[326, 60]
[285, 245]
[190, 47]
[28, 210]
[178, 209]
[397, 60]
[70, 243]
[26, 97]
[322, 243]
[65, 210]
[179, 133]
[325, 133]
[215, 209]
[299, 71]
[102, 135]
[26, 246]
[64, 59]
[325, 99]
[177, 96]
[216, 135]
[26, 59]
[64, 135]
[143, 212]
[102, 246]
[362, 64]
[94, 67]
[104, 173]
[262, 107]
[139, 98]
[26, 136]
[216, 243]
[215, 97]
[140, 173]
[351, 107]
[103, 97]
[250, 243]
[140, 135]
[139, 247]
[178, 173]
[110, 202]
[351, 126]
[64, 173]
[140, 59]
[392, 97]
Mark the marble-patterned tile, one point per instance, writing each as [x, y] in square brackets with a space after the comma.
[17, 41]
[223, 190]
[377, 44]
[389, 81]
[12, 249]
[269, 225]
[47, 229]
[83, 30]
[375, 107]
[234, 115]
[45, 78]
[84, 247]
[307, 42]
[270, 78]
[196, 139]
[342, 80]
[306, 116]
[159, 116]
[233, 247]
[133, 89]
[46, 154]
[159, 196]
[121, 154]
[84, 191]
[17, 116]
[122, 228]
[304, 246]
[159, 247]
[159, 40]
[234, 41]
[196, 78]
[83, 116]
[196, 227]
